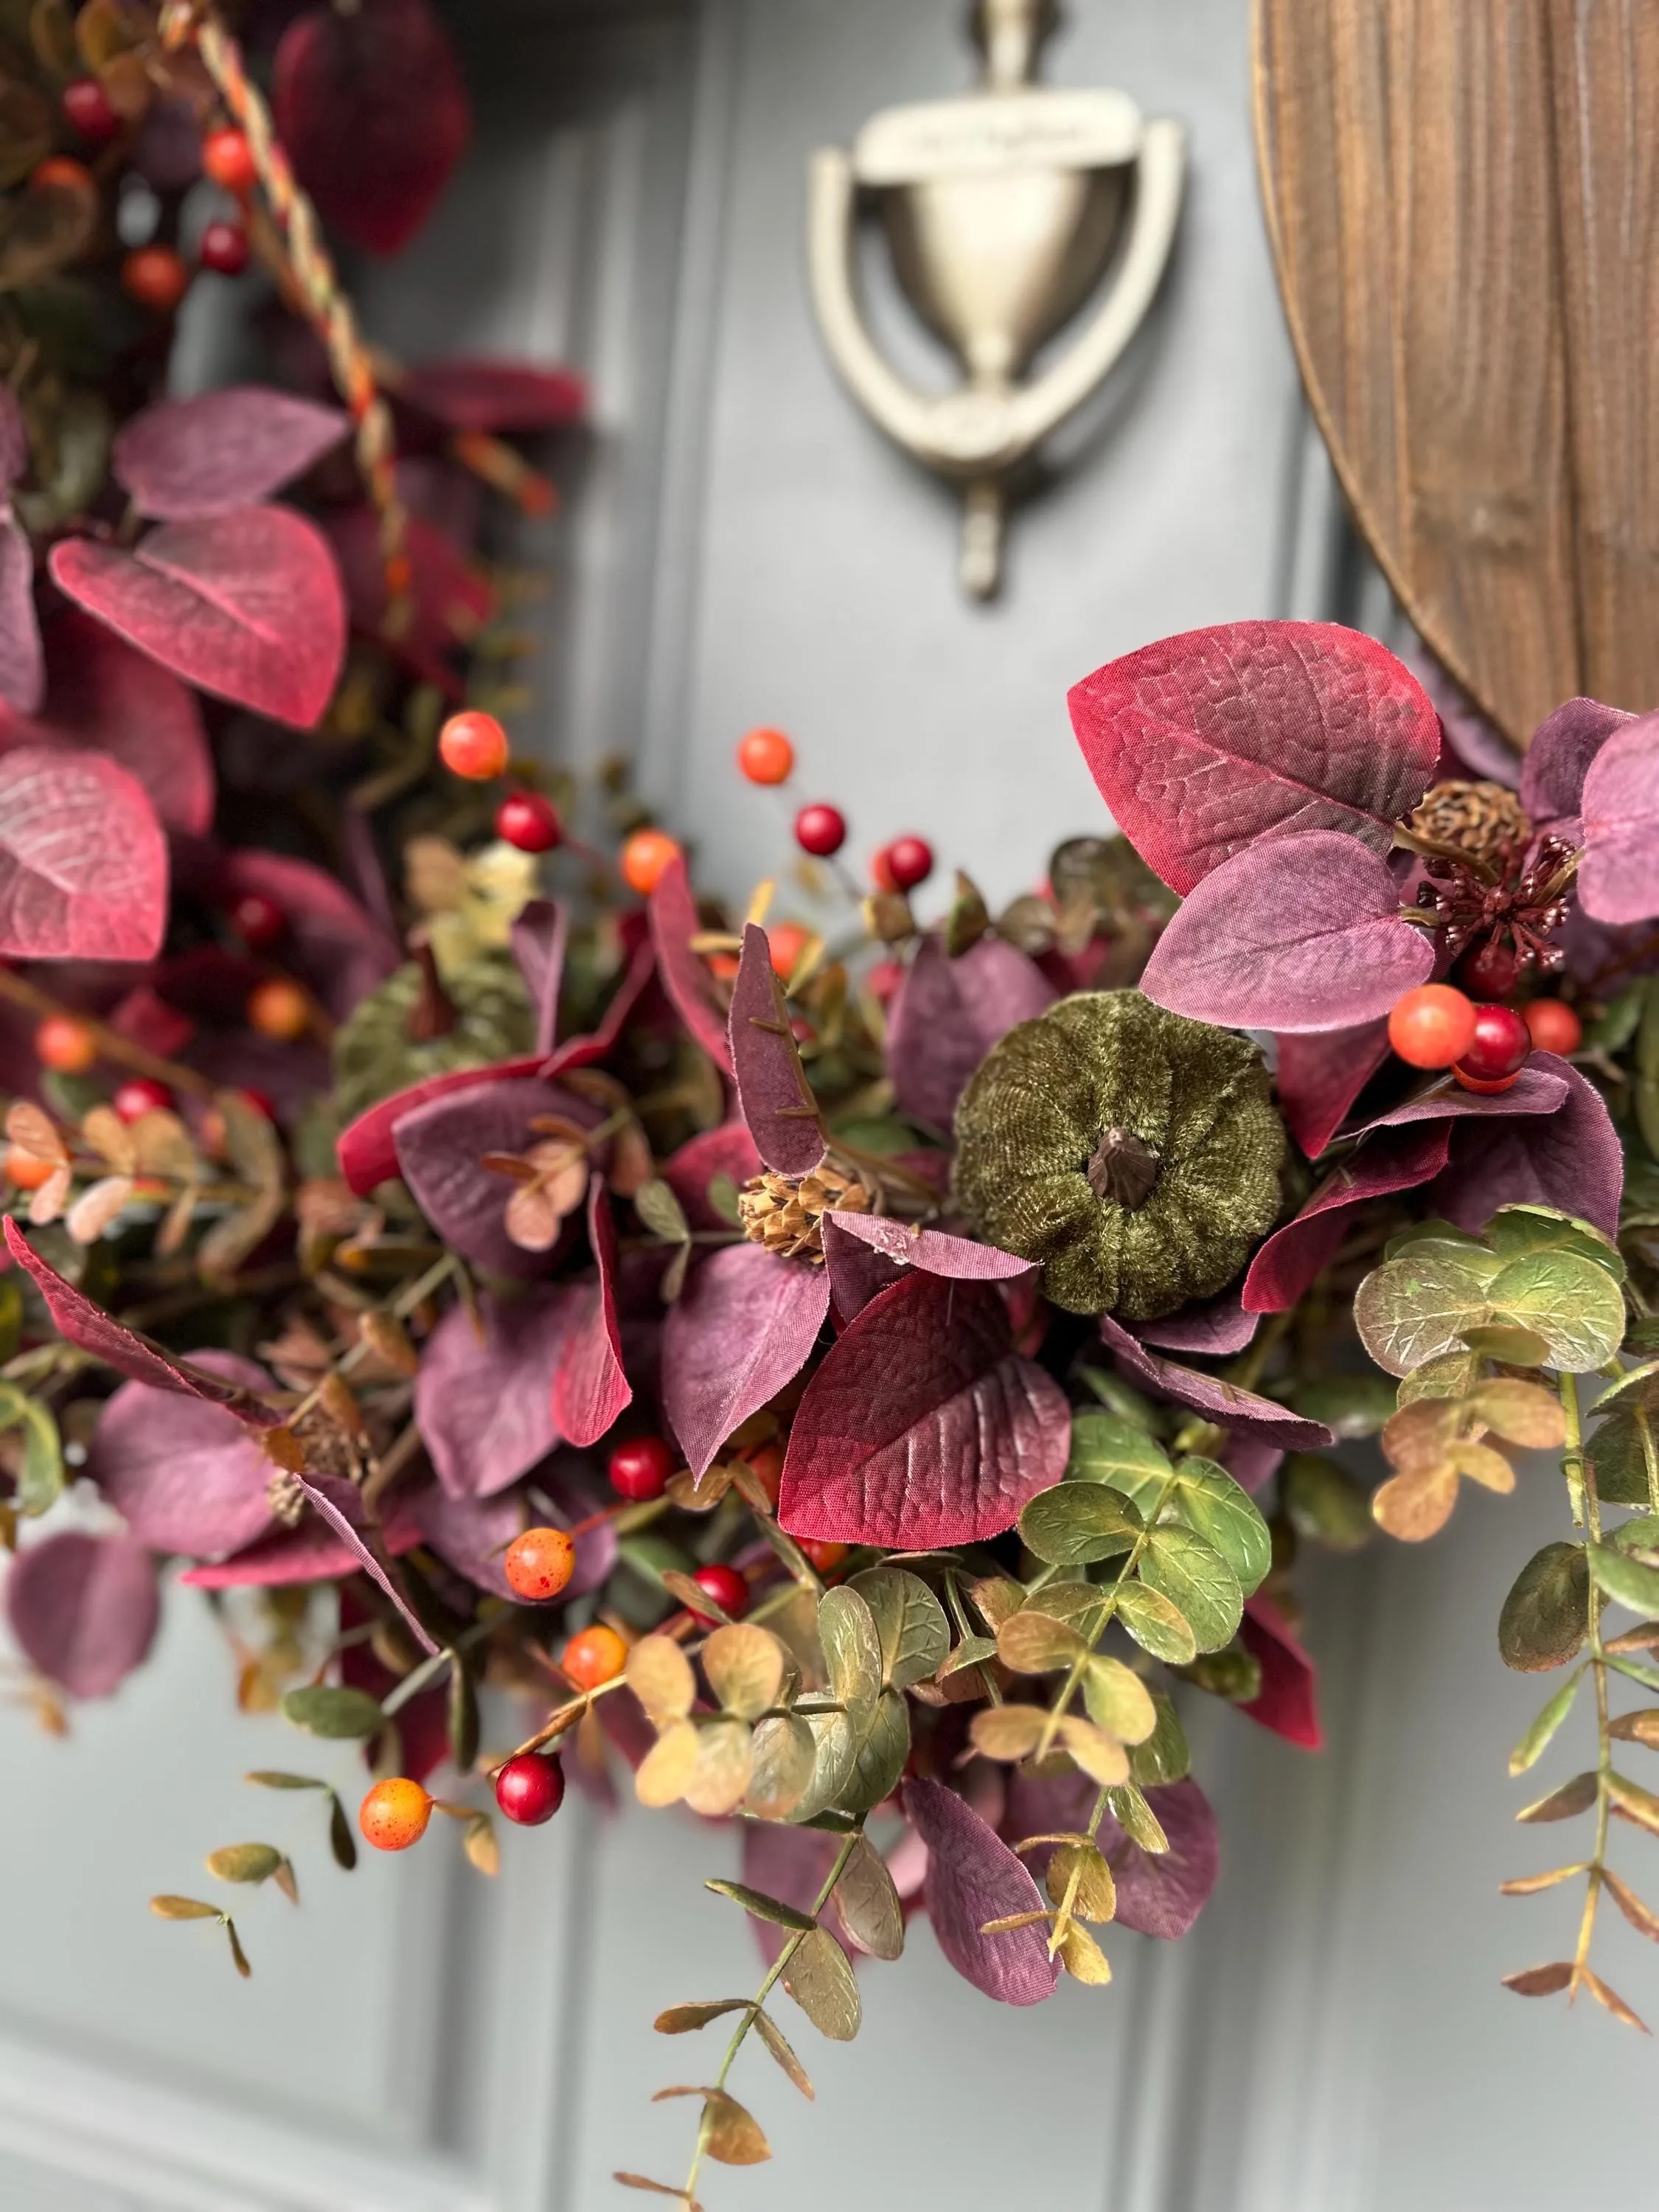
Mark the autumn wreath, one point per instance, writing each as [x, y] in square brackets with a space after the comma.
[865, 1374]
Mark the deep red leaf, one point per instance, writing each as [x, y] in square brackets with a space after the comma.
[1319, 1075]
[332, 942]
[83, 865]
[589, 1051]
[591, 1386]
[339, 1503]
[1571, 1158]
[442, 1147]
[312, 1552]
[471, 1535]
[961, 1258]
[485, 1403]
[1219, 1401]
[538, 943]
[23, 665]
[947, 1015]
[1471, 745]
[744, 1326]
[1286, 1702]
[728, 1151]
[1216, 1329]
[495, 395]
[972, 1878]
[1619, 874]
[450, 600]
[1540, 1087]
[368, 1151]
[1558, 758]
[1293, 1256]
[776, 1098]
[186, 459]
[84, 1609]
[684, 977]
[184, 1478]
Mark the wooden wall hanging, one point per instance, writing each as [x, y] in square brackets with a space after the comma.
[1463, 201]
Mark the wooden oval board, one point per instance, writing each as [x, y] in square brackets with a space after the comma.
[1463, 201]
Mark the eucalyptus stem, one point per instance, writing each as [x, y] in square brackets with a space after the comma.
[1581, 1480]
[1650, 1456]
[1105, 1610]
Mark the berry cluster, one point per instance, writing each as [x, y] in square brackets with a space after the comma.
[1484, 1044]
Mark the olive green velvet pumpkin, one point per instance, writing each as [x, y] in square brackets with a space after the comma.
[1135, 1154]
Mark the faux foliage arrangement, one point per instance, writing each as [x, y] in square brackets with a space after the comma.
[865, 1375]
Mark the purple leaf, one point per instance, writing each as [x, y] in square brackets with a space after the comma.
[1286, 1702]
[1540, 1087]
[184, 1478]
[1570, 1159]
[485, 1407]
[857, 1271]
[1286, 1265]
[591, 1387]
[1619, 873]
[83, 865]
[776, 1098]
[684, 977]
[247, 605]
[471, 1535]
[442, 1147]
[335, 944]
[1251, 1460]
[946, 1016]
[728, 1151]
[1162, 1895]
[1222, 1402]
[1319, 1077]
[450, 600]
[312, 1552]
[744, 1326]
[1472, 746]
[924, 1426]
[1558, 758]
[368, 1151]
[793, 1865]
[538, 943]
[1215, 1329]
[23, 661]
[931, 1250]
[139, 1357]
[338, 1504]
[84, 1609]
[1298, 933]
[495, 395]
[972, 1878]
[188, 458]
[589, 1051]
[1201, 745]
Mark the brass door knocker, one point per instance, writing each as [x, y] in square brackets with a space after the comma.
[1003, 210]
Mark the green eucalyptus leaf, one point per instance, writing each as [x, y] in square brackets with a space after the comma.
[835, 1756]
[1118, 1701]
[1517, 1231]
[1637, 1386]
[1351, 1406]
[1076, 1523]
[1197, 1579]
[40, 1478]
[1546, 1617]
[822, 1985]
[757, 1904]
[852, 1647]
[881, 1744]
[1120, 1398]
[251, 1862]
[1572, 1302]
[1035, 1642]
[1630, 1581]
[1163, 1756]
[1536, 1741]
[1438, 1239]
[1234, 1674]
[342, 1715]
[869, 1904]
[1451, 1375]
[1515, 1347]
[1226, 1516]
[1156, 1624]
[1137, 1819]
[1107, 1448]
[661, 1212]
[1324, 1503]
[1618, 1459]
[911, 1628]
[1415, 1308]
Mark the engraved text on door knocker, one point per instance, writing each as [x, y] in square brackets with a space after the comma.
[1004, 209]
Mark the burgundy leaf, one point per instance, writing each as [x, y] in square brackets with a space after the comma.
[972, 1878]
[776, 1098]
[84, 1609]
[311, 1553]
[471, 1535]
[140, 1358]
[947, 1015]
[13, 439]
[728, 1151]
[1219, 1401]
[1251, 1460]
[450, 600]
[23, 662]
[247, 605]
[1540, 1087]
[1319, 1075]
[147, 1019]
[744, 1326]
[684, 977]
[1215, 1329]
[857, 1271]
[1203, 744]
[333, 944]
[339, 1504]
[1570, 1159]
[442, 1148]
[1297, 933]
[1286, 1702]
[184, 1478]
[1286, 1265]
[188, 458]
[83, 865]
[923, 1427]
[931, 1249]
[1558, 758]
[1162, 1894]
[1619, 873]
[485, 1405]
[372, 111]
[495, 395]
[589, 1051]
[367, 1150]
[591, 1387]
[538, 942]
[1471, 745]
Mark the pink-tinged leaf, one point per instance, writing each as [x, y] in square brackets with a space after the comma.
[102, 697]
[451, 601]
[1296, 933]
[184, 1478]
[1216, 1329]
[961, 1258]
[1619, 873]
[728, 1151]
[1570, 1159]
[22, 661]
[1222, 1402]
[591, 1387]
[84, 1609]
[442, 1148]
[471, 1535]
[247, 605]
[1204, 744]
[485, 1405]
[368, 1151]
[924, 1426]
[139, 1357]
[147, 1020]
[372, 108]
[744, 1326]
[1540, 1087]
[589, 1051]
[333, 944]
[1471, 745]
[83, 865]
[972, 1878]
[1250, 1461]
[684, 976]
[776, 1098]
[1558, 758]
[1286, 1702]
[1162, 1894]
[1293, 1256]
[312, 1552]
[188, 458]
[338, 1504]
[538, 943]
[13, 439]
[495, 395]
[1319, 1077]
[947, 1015]
[857, 1271]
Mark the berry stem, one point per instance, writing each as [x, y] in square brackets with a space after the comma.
[111, 1045]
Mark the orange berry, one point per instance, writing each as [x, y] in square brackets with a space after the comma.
[824, 1555]
[539, 1563]
[788, 941]
[645, 858]
[1432, 1026]
[766, 757]
[1552, 1025]
[279, 1009]
[228, 159]
[474, 745]
[156, 278]
[58, 172]
[394, 1814]
[595, 1655]
[766, 1460]
[64, 1045]
[25, 1170]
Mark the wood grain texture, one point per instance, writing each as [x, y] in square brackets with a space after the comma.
[1464, 201]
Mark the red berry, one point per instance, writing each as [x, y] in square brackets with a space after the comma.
[530, 1788]
[788, 941]
[1552, 1025]
[64, 1045]
[593, 1655]
[726, 1587]
[531, 822]
[156, 278]
[1502, 1042]
[228, 159]
[258, 921]
[766, 1460]
[1474, 1082]
[394, 1814]
[903, 865]
[1490, 969]
[640, 1467]
[539, 1563]
[280, 1010]
[821, 830]
[87, 109]
[646, 858]
[259, 1102]
[1432, 1026]
[766, 757]
[223, 248]
[140, 1095]
[824, 1555]
[473, 745]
